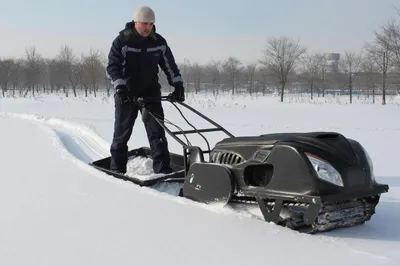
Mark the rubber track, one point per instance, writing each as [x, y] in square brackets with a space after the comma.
[332, 216]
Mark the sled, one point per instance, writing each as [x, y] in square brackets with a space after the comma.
[176, 164]
[310, 182]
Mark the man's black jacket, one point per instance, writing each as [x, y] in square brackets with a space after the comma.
[133, 61]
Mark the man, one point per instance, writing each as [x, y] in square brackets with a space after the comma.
[133, 61]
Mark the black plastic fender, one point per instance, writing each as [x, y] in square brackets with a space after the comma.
[209, 183]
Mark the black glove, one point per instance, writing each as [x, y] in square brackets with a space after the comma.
[178, 94]
[123, 94]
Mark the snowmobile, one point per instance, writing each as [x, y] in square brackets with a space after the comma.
[309, 182]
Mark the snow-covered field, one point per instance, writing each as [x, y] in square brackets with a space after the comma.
[57, 210]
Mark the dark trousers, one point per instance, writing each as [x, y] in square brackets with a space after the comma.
[125, 117]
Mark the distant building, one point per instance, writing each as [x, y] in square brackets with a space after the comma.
[332, 62]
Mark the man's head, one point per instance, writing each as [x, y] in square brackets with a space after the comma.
[144, 19]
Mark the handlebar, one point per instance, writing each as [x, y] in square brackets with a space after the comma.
[141, 102]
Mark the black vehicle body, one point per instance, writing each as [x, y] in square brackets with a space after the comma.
[285, 174]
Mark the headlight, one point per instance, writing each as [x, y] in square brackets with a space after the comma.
[325, 170]
[371, 165]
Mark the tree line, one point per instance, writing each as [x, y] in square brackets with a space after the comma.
[284, 66]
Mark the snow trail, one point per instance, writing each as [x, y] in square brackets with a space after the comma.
[63, 204]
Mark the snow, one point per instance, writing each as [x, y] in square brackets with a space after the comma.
[57, 210]
[141, 168]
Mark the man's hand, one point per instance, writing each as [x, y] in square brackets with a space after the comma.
[178, 94]
[123, 94]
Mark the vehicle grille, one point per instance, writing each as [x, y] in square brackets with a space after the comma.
[226, 158]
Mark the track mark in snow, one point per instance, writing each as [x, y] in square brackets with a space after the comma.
[375, 256]
[75, 142]
[80, 141]
[336, 240]
[77, 146]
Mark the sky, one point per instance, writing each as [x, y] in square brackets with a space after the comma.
[198, 31]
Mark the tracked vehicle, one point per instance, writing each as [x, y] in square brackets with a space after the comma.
[310, 182]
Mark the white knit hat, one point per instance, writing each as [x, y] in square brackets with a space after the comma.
[144, 14]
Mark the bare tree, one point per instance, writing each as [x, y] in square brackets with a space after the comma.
[370, 76]
[232, 67]
[68, 64]
[280, 56]
[213, 70]
[261, 76]
[394, 29]
[56, 75]
[82, 76]
[16, 75]
[107, 83]
[93, 71]
[186, 71]
[32, 68]
[6, 67]
[351, 64]
[44, 74]
[196, 73]
[249, 74]
[312, 68]
[383, 51]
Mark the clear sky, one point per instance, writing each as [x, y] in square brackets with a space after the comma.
[198, 30]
